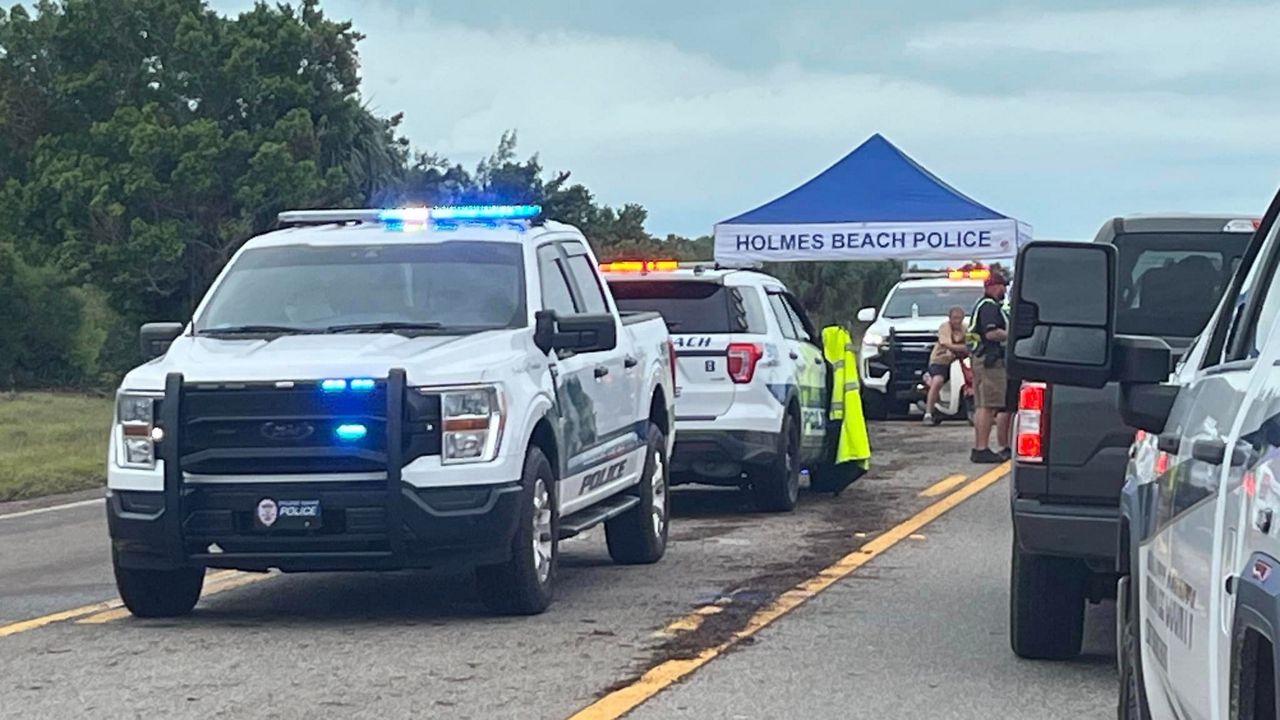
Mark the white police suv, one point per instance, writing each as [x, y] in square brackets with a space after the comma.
[375, 390]
[751, 380]
[1199, 589]
[895, 348]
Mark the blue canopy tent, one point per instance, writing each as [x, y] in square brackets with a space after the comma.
[874, 204]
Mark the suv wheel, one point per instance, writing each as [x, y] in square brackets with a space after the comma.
[523, 585]
[1133, 697]
[777, 486]
[158, 593]
[1046, 606]
[639, 536]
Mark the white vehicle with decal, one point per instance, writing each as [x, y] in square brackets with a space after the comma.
[376, 390]
[895, 347]
[751, 380]
[1199, 593]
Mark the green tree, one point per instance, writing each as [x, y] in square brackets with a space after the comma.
[152, 137]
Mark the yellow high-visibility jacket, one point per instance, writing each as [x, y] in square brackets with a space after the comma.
[846, 397]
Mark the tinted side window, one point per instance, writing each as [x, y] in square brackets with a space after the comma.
[779, 306]
[1244, 337]
[586, 279]
[555, 287]
[804, 328]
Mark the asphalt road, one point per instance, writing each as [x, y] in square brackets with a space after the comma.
[918, 631]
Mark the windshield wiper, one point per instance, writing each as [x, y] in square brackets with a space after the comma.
[255, 330]
[388, 326]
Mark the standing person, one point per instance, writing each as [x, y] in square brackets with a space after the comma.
[951, 346]
[988, 333]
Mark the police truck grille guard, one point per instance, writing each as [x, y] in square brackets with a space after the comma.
[907, 357]
[264, 430]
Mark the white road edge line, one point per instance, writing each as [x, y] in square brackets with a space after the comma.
[41, 511]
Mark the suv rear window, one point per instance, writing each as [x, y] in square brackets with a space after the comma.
[691, 307]
[1170, 283]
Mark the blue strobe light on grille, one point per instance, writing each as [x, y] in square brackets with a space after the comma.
[351, 432]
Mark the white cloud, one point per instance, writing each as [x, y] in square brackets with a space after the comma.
[696, 141]
[1141, 44]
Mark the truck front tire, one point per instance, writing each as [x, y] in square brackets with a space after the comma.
[777, 485]
[639, 536]
[158, 593]
[1046, 606]
[523, 585]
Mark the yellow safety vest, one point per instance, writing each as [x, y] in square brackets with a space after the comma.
[846, 397]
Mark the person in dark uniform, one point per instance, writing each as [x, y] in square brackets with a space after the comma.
[988, 333]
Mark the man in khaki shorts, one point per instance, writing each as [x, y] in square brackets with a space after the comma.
[990, 381]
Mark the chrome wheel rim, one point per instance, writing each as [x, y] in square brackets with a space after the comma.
[542, 540]
[658, 494]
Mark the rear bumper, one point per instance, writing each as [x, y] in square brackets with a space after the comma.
[724, 446]
[444, 527]
[1075, 531]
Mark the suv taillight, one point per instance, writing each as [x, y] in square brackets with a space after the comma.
[742, 361]
[1031, 422]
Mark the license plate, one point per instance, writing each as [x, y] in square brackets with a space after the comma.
[288, 514]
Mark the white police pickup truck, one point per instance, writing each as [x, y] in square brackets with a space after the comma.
[376, 390]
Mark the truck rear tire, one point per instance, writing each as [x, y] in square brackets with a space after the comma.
[639, 536]
[777, 486]
[1046, 606]
[523, 585]
[158, 593]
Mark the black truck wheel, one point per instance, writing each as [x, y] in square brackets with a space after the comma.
[777, 486]
[523, 585]
[158, 593]
[1046, 606]
[639, 536]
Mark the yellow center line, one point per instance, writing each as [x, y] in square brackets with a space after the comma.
[625, 699]
[943, 486]
[214, 584]
[690, 622]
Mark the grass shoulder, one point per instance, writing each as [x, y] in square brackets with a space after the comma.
[52, 443]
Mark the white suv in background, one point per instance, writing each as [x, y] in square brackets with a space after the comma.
[895, 348]
[751, 381]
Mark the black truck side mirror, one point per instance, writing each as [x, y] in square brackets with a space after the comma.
[1062, 326]
[157, 337]
[576, 333]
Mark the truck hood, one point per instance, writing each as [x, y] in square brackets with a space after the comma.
[923, 324]
[429, 360]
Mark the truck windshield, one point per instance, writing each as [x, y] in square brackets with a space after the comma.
[1170, 283]
[930, 301]
[691, 307]
[458, 285]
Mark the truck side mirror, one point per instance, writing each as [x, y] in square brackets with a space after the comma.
[1062, 326]
[157, 337]
[867, 315]
[576, 333]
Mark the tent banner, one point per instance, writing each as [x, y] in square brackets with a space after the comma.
[827, 242]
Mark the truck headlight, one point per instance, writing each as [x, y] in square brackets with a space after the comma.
[136, 431]
[472, 420]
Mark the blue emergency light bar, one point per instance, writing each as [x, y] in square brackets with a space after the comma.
[416, 217]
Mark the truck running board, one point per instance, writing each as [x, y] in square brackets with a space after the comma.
[605, 510]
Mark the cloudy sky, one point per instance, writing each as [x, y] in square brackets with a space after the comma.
[1059, 113]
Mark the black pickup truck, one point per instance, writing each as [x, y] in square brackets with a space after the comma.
[1069, 467]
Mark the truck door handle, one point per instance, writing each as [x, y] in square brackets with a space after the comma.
[630, 362]
[1169, 444]
[601, 371]
[1212, 452]
[795, 356]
